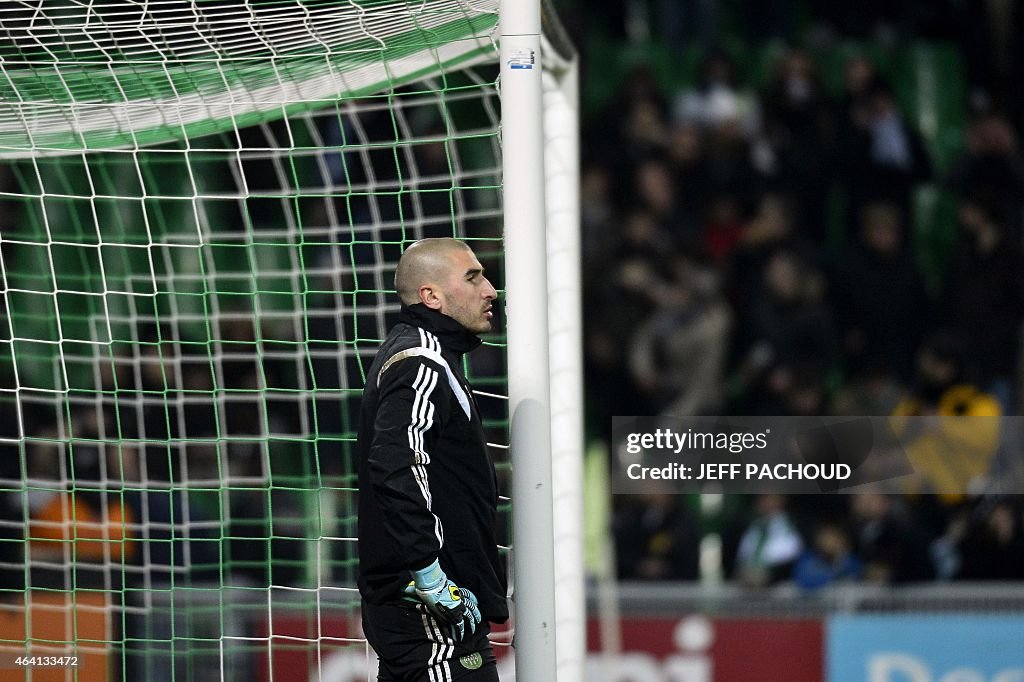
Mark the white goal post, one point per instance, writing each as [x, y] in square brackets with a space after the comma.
[540, 124]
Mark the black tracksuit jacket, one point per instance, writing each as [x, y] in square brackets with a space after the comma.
[427, 487]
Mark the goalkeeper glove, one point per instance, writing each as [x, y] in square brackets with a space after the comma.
[453, 606]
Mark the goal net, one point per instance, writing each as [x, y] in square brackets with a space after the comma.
[201, 208]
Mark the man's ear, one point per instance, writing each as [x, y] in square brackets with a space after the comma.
[429, 297]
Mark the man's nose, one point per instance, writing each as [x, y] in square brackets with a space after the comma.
[490, 292]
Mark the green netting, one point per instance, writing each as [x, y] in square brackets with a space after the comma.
[115, 74]
[187, 311]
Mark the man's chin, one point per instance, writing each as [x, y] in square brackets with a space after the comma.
[481, 327]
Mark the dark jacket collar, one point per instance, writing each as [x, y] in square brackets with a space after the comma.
[452, 335]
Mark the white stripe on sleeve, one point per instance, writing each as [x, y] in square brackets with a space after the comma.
[421, 421]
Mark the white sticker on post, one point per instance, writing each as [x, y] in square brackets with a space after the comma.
[522, 58]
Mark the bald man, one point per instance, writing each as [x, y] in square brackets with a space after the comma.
[429, 572]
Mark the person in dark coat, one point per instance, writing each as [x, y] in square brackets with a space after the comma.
[879, 295]
[429, 572]
[983, 297]
[993, 546]
[882, 156]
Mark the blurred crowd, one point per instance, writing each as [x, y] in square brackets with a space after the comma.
[704, 218]
[811, 542]
[720, 278]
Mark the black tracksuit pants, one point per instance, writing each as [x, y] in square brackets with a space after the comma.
[413, 647]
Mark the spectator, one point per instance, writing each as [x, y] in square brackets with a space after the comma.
[598, 220]
[688, 162]
[829, 561]
[655, 193]
[770, 546]
[723, 228]
[891, 547]
[807, 394]
[991, 166]
[984, 297]
[949, 455]
[799, 128]
[789, 331]
[84, 513]
[627, 296]
[768, 231]
[717, 99]
[852, 121]
[993, 547]
[729, 119]
[874, 392]
[884, 156]
[644, 129]
[879, 295]
[657, 538]
[853, 107]
[735, 167]
[989, 42]
[631, 127]
[677, 356]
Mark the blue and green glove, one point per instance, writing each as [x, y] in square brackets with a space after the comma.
[451, 605]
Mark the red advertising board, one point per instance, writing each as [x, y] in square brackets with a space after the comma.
[654, 649]
[702, 649]
[769, 650]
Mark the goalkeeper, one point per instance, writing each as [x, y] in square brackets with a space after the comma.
[429, 572]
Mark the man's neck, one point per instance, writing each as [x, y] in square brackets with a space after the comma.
[453, 336]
